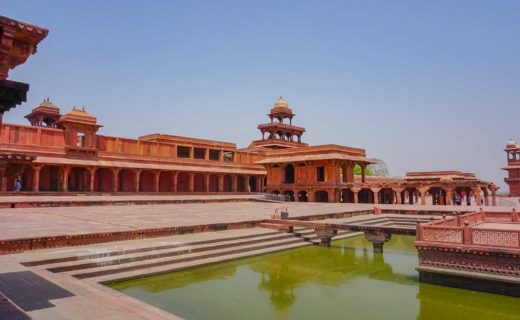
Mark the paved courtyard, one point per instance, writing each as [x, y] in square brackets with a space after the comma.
[20, 223]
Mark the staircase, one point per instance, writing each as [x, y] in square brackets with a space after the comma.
[161, 257]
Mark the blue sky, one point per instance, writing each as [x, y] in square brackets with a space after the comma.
[423, 85]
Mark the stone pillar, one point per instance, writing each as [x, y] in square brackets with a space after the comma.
[449, 197]
[493, 198]
[310, 195]
[378, 239]
[355, 191]
[206, 179]
[192, 152]
[115, 179]
[247, 184]
[157, 180]
[363, 167]
[4, 183]
[375, 191]
[191, 181]
[423, 195]
[36, 180]
[65, 181]
[234, 183]
[137, 180]
[220, 183]
[486, 197]
[478, 196]
[174, 180]
[398, 192]
[92, 176]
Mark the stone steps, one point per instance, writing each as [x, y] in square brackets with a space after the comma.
[169, 251]
[135, 260]
[145, 266]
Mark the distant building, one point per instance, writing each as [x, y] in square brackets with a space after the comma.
[513, 168]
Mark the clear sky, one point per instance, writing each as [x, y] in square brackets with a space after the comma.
[423, 85]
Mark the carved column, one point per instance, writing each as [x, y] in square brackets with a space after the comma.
[207, 180]
[398, 192]
[478, 195]
[65, 181]
[355, 191]
[36, 180]
[375, 192]
[137, 181]
[174, 180]
[92, 175]
[191, 181]
[157, 180]
[247, 184]
[220, 183]
[423, 195]
[234, 183]
[115, 179]
[363, 167]
[378, 239]
[449, 196]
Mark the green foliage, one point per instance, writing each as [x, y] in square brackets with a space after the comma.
[357, 171]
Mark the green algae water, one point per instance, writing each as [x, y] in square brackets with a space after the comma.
[345, 281]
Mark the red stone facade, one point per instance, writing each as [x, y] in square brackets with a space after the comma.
[513, 168]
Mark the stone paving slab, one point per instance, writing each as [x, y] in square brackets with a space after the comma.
[39, 222]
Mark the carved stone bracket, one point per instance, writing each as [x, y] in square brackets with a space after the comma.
[378, 239]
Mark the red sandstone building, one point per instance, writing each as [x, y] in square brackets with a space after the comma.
[63, 153]
[513, 168]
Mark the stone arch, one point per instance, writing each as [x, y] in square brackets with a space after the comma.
[79, 179]
[321, 196]
[386, 196]
[50, 178]
[438, 195]
[228, 183]
[166, 181]
[303, 196]
[183, 182]
[146, 181]
[366, 196]
[19, 170]
[347, 196]
[290, 194]
[241, 181]
[104, 180]
[126, 180]
[213, 183]
[199, 182]
[252, 184]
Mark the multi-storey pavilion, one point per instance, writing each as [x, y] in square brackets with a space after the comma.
[513, 168]
[64, 153]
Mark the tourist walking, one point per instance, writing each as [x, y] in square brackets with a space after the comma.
[17, 184]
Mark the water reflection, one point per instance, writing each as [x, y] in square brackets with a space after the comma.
[345, 280]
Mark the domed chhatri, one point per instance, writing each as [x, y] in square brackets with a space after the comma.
[511, 143]
[46, 114]
[78, 116]
[281, 103]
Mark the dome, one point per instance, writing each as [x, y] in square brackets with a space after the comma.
[79, 116]
[47, 103]
[511, 143]
[281, 103]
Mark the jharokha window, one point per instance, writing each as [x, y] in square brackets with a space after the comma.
[228, 156]
[80, 139]
[320, 174]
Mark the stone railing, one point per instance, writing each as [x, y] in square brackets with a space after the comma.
[466, 229]
[274, 197]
